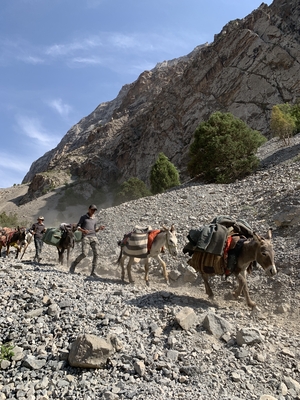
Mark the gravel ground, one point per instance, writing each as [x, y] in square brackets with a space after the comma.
[176, 363]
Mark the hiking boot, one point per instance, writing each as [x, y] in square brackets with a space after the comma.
[72, 268]
[93, 273]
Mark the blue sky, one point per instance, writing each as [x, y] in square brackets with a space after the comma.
[59, 59]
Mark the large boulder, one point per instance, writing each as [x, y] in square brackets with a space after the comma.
[90, 351]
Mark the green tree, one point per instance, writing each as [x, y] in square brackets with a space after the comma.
[295, 112]
[283, 122]
[163, 175]
[224, 149]
[132, 189]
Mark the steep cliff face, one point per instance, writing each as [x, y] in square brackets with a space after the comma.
[252, 64]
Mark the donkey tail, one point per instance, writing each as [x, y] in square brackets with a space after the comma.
[120, 256]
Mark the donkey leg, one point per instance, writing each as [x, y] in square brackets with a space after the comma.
[164, 269]
[147, 272]
[18, 252]
[60, 256]
[240, 287]
[243, 286]
[131, 280]
[208, 290]
[68, 255]
[122, 260]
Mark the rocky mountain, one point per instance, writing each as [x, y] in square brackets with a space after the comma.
[251, 65]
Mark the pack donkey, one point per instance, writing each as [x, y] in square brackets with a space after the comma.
[256, 249]
[66, 242]
[12, 237]
[140, 253]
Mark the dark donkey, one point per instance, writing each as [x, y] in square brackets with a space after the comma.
[258, 249]
[12, 237]
[66, 242]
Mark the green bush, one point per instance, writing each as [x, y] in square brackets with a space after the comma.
[224, 149]
[6, 352]
[9, 221]
[163, 175]
[132, 189]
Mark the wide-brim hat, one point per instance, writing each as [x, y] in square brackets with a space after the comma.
[93, 207]
[41, 218]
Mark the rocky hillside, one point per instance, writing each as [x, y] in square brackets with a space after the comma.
[163, 342]
[251, 65]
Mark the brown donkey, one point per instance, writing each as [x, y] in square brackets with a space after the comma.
[258, 249]
[66, 242]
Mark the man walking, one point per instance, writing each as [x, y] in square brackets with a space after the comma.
[87, 225]
[38, 229]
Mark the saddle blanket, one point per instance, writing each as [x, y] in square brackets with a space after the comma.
[152, 235]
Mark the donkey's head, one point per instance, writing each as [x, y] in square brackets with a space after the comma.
[265, 253]
[67, 239]
[171, 240]
[19, 235]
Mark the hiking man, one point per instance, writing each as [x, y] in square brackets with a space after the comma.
[87, 225]
[38, 229]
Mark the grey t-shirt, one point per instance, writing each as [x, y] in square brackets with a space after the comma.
[39, 230]
[88, 223]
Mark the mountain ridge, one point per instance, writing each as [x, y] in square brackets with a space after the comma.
[250, 66]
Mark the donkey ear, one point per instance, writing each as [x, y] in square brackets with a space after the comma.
[256, 237]
[269, 234]
[172, 228]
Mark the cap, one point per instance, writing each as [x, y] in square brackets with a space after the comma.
[92, 207]
[41, 218]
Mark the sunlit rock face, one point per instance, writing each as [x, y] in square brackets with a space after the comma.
[251, 65]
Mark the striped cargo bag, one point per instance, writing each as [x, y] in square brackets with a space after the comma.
[136, 245]
[207, 263]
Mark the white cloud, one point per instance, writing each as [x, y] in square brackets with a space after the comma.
[124, 41]
[31, 59]
[63, 109]
[85, 50]
[86, 60]
[113, 50]
[86, 44]
[14, 163]
[32, 128]
[59, 50]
